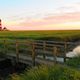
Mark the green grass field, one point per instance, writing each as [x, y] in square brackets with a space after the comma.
[69, 35]
[43, 72]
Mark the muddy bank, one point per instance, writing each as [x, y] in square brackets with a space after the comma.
[6, 68]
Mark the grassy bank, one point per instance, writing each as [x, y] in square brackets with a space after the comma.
[70, 35]
[48, 73]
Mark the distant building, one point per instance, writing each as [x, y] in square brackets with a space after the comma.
[4, 28]
[0, 25]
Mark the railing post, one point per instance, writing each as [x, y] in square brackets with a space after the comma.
[4, 47]
[17, 52]
[44, 49]
[65, 46]
[4, 51]
[33, 54]
[55, 54]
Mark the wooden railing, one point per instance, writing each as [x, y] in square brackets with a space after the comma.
[35, 48]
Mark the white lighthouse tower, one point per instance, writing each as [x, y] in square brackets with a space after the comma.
[0, 25]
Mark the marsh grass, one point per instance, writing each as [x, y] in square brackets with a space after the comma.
[45, 72]
[74, 62]
[70, 35]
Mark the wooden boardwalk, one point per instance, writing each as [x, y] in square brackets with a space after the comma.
[37, 52]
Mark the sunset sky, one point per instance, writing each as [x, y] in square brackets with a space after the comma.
[40, 14]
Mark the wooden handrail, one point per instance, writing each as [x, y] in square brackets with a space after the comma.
[45, 46]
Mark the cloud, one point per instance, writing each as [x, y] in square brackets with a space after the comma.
[63, 17]
[55, 19]
[68, 8]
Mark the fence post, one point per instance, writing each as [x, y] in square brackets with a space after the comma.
[17, 52]
[44, 49]
[55, 54]
[65, 46]
[4, 51]
[33, 54]
[4, 47]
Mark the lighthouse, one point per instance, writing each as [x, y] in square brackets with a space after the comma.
[0, 25]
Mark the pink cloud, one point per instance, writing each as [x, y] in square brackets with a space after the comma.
[64, 17]
[55, 19]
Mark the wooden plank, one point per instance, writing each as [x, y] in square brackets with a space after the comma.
[28, 59]
[65, 47]
[33, 54]
[17, 52]
[44, 49]
[55, 53]
[5, 47]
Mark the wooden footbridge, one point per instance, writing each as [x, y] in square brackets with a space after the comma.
[35, 52]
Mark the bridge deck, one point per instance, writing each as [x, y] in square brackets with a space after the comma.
[28, 59]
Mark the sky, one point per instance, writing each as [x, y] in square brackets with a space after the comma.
[40, 14]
